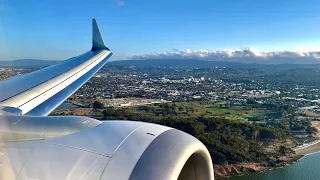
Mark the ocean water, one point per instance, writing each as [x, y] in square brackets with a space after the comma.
[306, 168]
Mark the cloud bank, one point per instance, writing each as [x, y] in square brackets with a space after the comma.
[245, 56]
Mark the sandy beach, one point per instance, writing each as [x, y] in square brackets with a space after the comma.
[310, 147]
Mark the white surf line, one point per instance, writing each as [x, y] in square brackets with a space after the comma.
[306, 145]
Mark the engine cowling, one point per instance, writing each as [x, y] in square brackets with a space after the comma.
[111, 150]
[174, 155]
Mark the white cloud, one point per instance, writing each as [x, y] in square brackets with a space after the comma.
[244, 55]
[120, 2]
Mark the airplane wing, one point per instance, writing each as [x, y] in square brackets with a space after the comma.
[34, 146]
[38, 93]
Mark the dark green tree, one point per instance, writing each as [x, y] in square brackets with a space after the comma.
[97, 105]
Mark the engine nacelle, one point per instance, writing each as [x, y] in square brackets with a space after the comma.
[174, 155]
[111, 150]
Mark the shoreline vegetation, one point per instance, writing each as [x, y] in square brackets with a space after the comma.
[240, 169]
[237, 146]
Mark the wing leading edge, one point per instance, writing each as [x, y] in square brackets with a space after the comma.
[40, 92]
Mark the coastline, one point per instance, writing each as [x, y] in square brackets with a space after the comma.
[309, 148]
[240, 169]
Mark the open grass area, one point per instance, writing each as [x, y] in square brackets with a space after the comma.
[181, 109]
[221, 109]
[206, 109]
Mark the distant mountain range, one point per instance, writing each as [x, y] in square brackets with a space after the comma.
[28, 63]
[209, 64]
[35, 63]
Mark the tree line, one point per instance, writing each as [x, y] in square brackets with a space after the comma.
[226, 140]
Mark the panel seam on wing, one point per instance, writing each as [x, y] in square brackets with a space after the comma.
[62, 81]
[99, 66]
[47, 81]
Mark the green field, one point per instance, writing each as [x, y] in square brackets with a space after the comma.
[221, 109]
[195, 109]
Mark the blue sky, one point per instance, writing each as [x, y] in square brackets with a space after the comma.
[59, 29]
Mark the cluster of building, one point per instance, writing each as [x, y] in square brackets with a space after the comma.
[124, 102]
[6, 73]
[110, 85]
[158, 85]
[155, 86]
